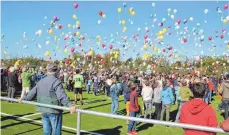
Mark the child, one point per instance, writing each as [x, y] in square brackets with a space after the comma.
[134, 108]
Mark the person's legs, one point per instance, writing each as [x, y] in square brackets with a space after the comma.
[167, 112]
[148, 109]
[162, 112]
[112, 106]
[12, 92]
[226, 105]
[127, 109]
[23, 92]
[132, 124]
[56, 122]
[27, 89]
[46, 124]
[116, 106]
[158, 112]
[9, 91]
[179, 111]
[210, 97]
[81, 95]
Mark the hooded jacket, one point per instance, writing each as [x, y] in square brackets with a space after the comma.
[224, 90]
[167, 96]
[197, 112]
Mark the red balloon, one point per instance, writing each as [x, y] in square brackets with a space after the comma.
[83, 38]
[170, 48]
[221, 36]
[74, 34]
[72, 49]
[178, 21]
[60, 26]
[75, 5]
[110, 46]
[163, 50]
[100, 13]
[146, 36]
[103, 45]
[209, 38]
[225, 6]
[185, 40]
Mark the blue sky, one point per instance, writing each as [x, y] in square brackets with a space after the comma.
[20, 17]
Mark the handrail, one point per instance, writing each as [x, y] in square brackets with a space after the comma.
[172, 124]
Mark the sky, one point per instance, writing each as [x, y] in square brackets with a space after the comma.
[29, 17]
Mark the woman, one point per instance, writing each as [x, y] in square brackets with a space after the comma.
[114, 93]
[167, 100]
[157, 100]
[147, 95]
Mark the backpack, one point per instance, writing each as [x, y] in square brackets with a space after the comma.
[225, 125]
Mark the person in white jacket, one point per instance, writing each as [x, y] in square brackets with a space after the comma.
[147, 96]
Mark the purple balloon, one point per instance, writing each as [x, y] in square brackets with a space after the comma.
[55, 18]
[75, 5]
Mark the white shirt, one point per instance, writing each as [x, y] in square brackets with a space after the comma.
[109, 82]
[147, 93]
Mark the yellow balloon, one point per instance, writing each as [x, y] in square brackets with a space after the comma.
[62, 34]
[91, 53]
[160, 33]
[133, 13]
[50, 31]
[47, 53]
[155, 48]
[164, 30]
[55, 38]
[123, 22]
[176, 57]
[77, 33]
[224, 21]
[66, 50]
[228, 46]
[130, 10]
[117, 52]
[116, 56]
[144, 46]
[119, 10]
[74, 17]
[69, 25]
[78, 23]
[161, 37]
[124, 29]
[98, 37]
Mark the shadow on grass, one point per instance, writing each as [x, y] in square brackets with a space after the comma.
[122, 112]
[145, 126]
[110, 131]
[100, 105]
[10, 117]
[28, 131]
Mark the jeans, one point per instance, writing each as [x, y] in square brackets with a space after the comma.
[114, 106]
[208, 97]
[107, 87]
[179, 111]
[11, 92]
[52, 123]
[88, 88]
[132, 124]
[157, 110]
[165, 109]
[148, 108]
[226, 107]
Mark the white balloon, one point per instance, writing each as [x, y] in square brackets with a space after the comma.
[169, 10]
[174, 11]
[47, 42]
[99, 21]
[172, 17]
[153, 4]
[227, 17]
[206, 11]
[191, 18]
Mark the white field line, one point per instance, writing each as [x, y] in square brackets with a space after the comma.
[31, 115]
[38, 121]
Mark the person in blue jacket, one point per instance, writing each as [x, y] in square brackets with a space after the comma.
[167, 100]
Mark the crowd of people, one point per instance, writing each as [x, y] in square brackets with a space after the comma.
[159, 91]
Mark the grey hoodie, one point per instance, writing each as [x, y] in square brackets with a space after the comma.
[224, 90]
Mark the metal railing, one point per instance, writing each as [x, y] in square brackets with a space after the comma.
[79, 111]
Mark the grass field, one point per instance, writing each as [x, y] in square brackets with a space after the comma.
[11, 125]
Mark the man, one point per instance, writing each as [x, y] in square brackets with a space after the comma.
[12, 82]
[224, 91]
[197, 112]
[49, 90]
[78, 84]
[26, 84]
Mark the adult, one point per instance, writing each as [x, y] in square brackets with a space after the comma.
[12, 82]
[224, 91]
[50, 91]
[78, 84]
[114, 93]
[147, 96]
[26, 83]
[157, 100]
[197, 112]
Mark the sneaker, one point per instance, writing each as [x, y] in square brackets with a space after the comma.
[135, 132]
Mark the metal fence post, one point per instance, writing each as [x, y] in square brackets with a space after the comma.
[78, 123]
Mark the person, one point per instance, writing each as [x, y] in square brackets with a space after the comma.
[197, 112]
[185, 94]
[78, 84]
[167, 99]
[49, 90]
[26, 84]
[12, 82]
[88, 85]
[147, 96]
[211, 89]
[114, 93]
[224, 91]
[108, 85]
[157, 100]
[134, 108]
[127, 91]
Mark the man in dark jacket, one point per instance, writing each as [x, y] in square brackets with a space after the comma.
[12, 82]
[50, 90]
[224, 91]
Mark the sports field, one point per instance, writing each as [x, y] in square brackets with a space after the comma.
[22, 119]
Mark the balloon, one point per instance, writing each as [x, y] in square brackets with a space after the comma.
[172, 17]
[60, 26]
[224, 21]
[119, 10]
[139, 29]
[55, 18]
[178, 21]
[153, 4]
[66, 50]
[110, 46]
[185, 40]
[124, 29]
[47, 53]
[174, 11]
[160, 24]
[123, 22]
[103, 45]
[50, 31]
[169, 10]
[77, 33]
[202, 37]
[133, 13]
[210, 38]
[225, 6]
[47, 42]
[74, 17]
[124, 5]
[104, 16]
[197, 58]
[78, 59]
[144, 46]
[206, 11]
[221, 36]
[161, 37]
[227, 18]
[39, 32]
[99, 21]
[72, 49]
[78, 23]
[185, 21]
[100, 13]
[164, 30]
[69, 25]
[75, 5]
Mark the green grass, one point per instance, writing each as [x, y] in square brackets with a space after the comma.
[13, 126]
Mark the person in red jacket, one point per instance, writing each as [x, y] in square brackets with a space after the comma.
[197, 112]
[134, 108]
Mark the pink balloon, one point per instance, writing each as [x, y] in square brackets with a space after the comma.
[209, 38]
[197, 58]
[55, 18]
[225, 6]
[110, 46]
[75, 5]
[178, 21]
[72, 49]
